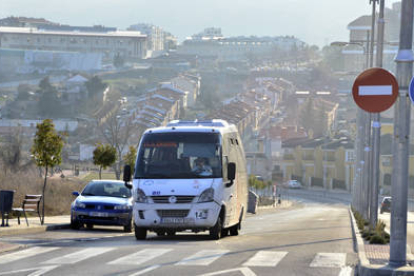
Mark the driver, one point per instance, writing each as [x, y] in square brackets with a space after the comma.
[201, 168]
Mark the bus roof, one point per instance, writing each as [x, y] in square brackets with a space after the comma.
[215, 125]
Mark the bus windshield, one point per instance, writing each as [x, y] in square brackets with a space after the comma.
[179, 155]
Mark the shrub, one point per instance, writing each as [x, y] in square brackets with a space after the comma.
[377, 239]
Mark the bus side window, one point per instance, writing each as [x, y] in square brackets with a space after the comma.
[225, 163]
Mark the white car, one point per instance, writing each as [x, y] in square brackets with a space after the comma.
[294, 184]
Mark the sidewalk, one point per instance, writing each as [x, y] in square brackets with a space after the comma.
[51, 223]
[373, 258]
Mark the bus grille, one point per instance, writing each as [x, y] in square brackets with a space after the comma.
[165, 199]
[173, 213]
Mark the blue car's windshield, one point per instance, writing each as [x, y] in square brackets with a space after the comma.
[106, 189]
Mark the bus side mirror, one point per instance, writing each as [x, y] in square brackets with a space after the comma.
[127, 176]
[231, 171]
[231, 174]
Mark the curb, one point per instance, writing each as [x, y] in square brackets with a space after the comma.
[33, 230]
[364, 266]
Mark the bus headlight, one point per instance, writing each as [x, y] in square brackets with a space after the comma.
[141, 197]
[206, 196]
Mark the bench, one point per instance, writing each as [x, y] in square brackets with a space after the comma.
[30, 204]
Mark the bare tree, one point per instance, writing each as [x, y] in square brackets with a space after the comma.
[11, 150]
[117, 130]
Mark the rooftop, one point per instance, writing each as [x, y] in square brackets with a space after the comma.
[18, 30]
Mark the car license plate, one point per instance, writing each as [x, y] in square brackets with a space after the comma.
[98, 214]
[176, 220]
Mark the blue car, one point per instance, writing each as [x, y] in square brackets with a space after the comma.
[102, 202]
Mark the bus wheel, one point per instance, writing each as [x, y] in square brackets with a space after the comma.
[234, 230]
[216, 230]
[140, 233]
[160, 233]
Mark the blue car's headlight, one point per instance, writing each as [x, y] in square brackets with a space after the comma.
[123, 207]
[79, 204]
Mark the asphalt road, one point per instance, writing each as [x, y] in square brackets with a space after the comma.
[307, 239]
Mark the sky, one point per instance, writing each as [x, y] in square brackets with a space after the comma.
[317, 22]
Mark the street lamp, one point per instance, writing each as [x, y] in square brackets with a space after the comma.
[364, 48]
[360, 190]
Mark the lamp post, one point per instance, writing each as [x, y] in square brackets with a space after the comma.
[404, 60]
[376, 126]
[360, 189]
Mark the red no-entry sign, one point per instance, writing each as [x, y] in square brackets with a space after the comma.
[375, 90]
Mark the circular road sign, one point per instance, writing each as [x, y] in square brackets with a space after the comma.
[375, 90]
[411, 90]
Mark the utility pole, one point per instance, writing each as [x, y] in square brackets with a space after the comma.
[376, 126]
[404, 60]
[367, 168]
[360, 189]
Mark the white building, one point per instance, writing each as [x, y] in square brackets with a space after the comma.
[155, 37]
[128, 44]
[236, 48]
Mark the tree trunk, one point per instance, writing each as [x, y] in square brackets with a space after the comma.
[43, 197]
[100, 170]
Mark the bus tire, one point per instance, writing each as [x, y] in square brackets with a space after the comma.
[234, 230]
[216, 230]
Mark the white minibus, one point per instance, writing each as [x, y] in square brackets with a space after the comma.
[189, 175]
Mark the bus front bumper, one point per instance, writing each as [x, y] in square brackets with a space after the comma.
[200, 216]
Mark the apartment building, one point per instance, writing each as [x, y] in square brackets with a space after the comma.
[128, 44]
[212, 43]
[321, 162]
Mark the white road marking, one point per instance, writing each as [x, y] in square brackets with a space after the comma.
[346, 271]
[140, 257]
[244, 270]
[79, 256]
[329, 260]
[25, 254]
[375, 90]
[38, 271]
[203, 257]
[266, 258]
[151, 268]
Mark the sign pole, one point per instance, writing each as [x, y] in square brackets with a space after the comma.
[404, 60]
[376, 126]
[375, 90]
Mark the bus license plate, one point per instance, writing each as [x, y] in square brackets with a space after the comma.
[176, 220]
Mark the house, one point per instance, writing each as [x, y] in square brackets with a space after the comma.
[74, 89]
[321, 162]
[356, 53]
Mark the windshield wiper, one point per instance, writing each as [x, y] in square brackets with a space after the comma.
[87, 194]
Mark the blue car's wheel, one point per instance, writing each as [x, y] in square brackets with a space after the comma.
[75, 225]
[128, 227]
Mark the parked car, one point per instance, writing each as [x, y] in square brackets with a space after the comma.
[386, 205]
[294, 184]
[102, 202]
